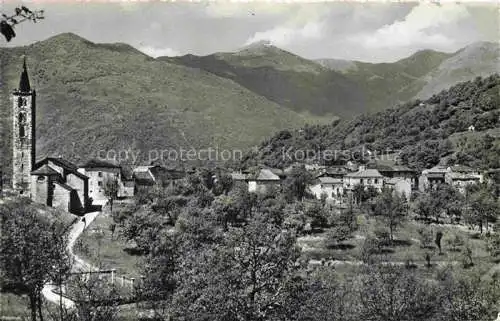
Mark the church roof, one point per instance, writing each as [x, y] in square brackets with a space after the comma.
[68, 166]
[45, 170]
[24, 82]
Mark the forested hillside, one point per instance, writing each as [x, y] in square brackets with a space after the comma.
[423, 132]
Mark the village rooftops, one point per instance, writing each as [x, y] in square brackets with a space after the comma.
[394, 181]
[266, 175]
[67, 166]
[461, 169]
[238, 176]
[329, 180]
[394, 168]
[163, 173]
[365, 173]
[463, 177]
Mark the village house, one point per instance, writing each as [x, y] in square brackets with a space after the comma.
[365, 177]
[400, 186]
[399, 172]
[99, 173]
[330, 187]
[460, 177]
[334, 172]
[166, 176]
[239, 179]
[143, 177]
[263, 180]
[432, 177]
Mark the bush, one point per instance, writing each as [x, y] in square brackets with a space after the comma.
[455, 243]
[425, 237]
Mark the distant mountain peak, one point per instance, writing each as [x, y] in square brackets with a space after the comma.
[261, 47]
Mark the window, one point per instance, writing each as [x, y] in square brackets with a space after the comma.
[99, 183]
[22, 117]
[369, 181]
[376, 180]
[99, 174]
[22, 133]
[41, 178]
[21, 102]
[361, 181]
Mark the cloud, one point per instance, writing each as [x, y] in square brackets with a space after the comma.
[302, 23]
[284, 36]
[159, 52]
[419, 29]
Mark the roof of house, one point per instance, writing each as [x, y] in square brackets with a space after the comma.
[393, 168]
[141, 168]
[435, 175]
[365, 173]
[162, 173]
[45, 170]
[97, 163]
[395, 180]
[437, 169]
[144, 178]
[329, 180]
[68, 166]
[461, 169]
[267, 175]
[238, 176]
[463, 177]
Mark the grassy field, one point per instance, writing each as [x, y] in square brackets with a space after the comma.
[407, 246]
[97, 246]
[14, 306]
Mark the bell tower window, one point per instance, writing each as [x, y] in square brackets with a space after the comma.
[22, 118]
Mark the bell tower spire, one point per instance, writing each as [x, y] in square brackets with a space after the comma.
[23, 133]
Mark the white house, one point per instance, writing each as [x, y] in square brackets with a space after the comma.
[364, 177]
[263, 180]
[332, 187]
[400, 186]
[99, 172]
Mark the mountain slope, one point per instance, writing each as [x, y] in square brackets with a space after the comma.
[287, 79]
[97, 98]
[479, 59]
[421, 75]
[422, 133]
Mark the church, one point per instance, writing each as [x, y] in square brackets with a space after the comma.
[51, 181]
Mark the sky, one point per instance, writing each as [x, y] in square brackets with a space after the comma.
[372, 32]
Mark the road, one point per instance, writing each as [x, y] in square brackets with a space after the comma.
[78, 265]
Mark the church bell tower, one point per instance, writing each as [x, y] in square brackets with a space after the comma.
[23, 134]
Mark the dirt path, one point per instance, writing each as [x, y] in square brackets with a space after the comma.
[78, 265]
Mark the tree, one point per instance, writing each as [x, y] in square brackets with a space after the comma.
[393, 293]
[297, 182]
[391, 208]
[111, 190]
[246, 276]
[484, 206]
[437, 240]
[337, 235]
[21, 14]
[31, 245]
[494, 245]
